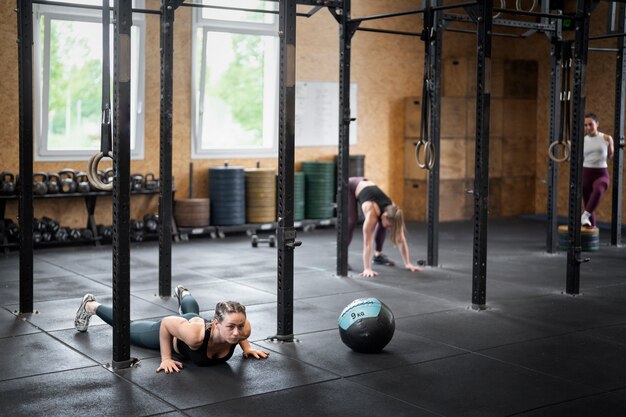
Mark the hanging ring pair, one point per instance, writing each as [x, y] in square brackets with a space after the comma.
[554, 148]
[429, 154]
[92, 171]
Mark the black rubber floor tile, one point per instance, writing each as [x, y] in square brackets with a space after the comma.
[306, 319]
[148, 279]
[49, 289]
[605, 405]
[312, 284]
[10, 268]
[328, 399]
[59, 314]
[569, 312]
[207, 295]
[97, 344]
[401, 302]
[85, 262]
[474, 330]
[615, 334]
[327, 351]
[36, 354]
[197, 386]
[472, 386]
[12, 325]
[80, 393]
[575, 357]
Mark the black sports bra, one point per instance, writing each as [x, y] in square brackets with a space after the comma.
[375, 194]
[199, 357]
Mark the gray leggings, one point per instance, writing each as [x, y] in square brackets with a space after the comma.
[145, 333]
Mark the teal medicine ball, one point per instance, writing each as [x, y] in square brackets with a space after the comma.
[366, 325]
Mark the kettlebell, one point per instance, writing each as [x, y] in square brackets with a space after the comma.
[68, 180]
[51, 224]
[82, 182]
[54, 183]
[7, 183]
[39, 183]
[62, 234]
[151, 223]
[136, 182]
[150, 182]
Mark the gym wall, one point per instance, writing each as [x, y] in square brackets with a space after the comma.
[388, 70]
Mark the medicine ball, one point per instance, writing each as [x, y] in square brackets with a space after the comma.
[366, 325]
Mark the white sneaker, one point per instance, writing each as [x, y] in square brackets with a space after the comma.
[584, 219]
[81, 321]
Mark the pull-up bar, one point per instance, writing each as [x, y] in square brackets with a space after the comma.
[91, 7]
[411, 12]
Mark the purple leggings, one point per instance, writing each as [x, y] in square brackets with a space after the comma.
[595, 183]
[353, 215]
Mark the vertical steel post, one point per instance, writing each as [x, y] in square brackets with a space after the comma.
[481, 170]
[583, 16]
[343, 160]
[25, 55]
[286, 233]
[618, 135]
[168, 8]
[435, 131]
[121, 185]
[553, 131]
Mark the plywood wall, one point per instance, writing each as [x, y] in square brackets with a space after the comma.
[387, 69]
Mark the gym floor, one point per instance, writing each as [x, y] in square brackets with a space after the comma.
[533, 352]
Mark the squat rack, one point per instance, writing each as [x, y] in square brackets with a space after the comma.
[480, 13]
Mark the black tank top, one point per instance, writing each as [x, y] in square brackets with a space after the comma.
[199, 357]
[375, 194]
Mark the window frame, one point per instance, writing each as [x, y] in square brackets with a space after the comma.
[270, 123]
[41, 85]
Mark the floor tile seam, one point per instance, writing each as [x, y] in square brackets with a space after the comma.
[368, 388]
[260, 394]
[560, 334]
[145, 390]
[60, 371]
[597, 394]
[539, 372]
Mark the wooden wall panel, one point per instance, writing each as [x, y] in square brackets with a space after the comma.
[412, 117]
[415, 200]
[452, 158]
[517, 195]
[454, 77]
[453, 113]
[411, 169]
[452, 200]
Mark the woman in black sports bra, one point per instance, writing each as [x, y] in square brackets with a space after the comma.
[380, 215]
[187, 335]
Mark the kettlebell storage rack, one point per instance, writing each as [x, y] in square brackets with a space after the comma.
[90, 204]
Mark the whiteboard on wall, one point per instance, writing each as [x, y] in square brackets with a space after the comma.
[317, 113]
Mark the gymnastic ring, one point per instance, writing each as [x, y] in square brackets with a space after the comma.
[566, 151]
[92, 172]
[429, 154]
[518, 6]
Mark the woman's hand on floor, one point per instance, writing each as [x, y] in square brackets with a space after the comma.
[258, 354]
[170, 366]
[368, 273]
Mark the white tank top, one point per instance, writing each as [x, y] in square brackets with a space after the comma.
[596, 151]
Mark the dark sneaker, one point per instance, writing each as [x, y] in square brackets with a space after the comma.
[383, 260]
[178, 293]
[81, 321]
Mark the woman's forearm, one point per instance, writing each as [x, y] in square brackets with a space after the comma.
[165, 341]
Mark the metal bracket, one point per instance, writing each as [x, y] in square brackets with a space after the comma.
[287, 236]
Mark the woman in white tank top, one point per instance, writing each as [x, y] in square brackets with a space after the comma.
[598, 147]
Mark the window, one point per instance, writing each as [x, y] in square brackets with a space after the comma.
[68, 81]
[235, 80]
